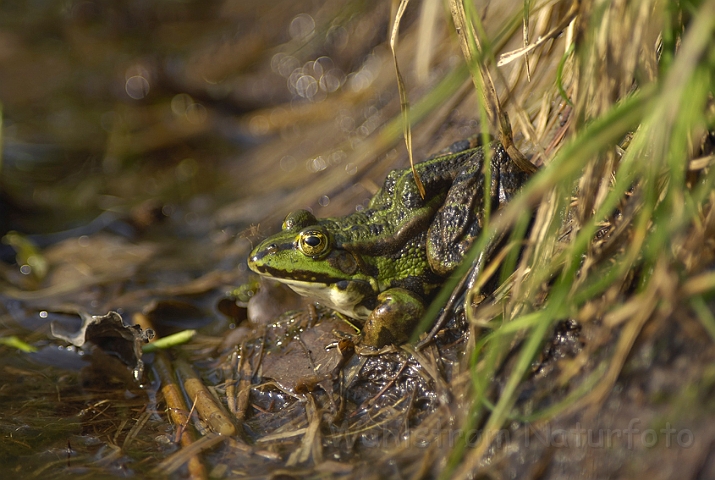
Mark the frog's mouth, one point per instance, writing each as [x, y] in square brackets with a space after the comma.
[295, 275]
[285, 275]
[346, 297]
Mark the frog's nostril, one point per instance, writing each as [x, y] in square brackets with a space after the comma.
[261, 253]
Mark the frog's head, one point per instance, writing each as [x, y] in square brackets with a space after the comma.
[303, 255]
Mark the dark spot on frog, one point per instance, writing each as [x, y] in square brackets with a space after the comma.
[412, 199]
[389, 185]
[413, 284]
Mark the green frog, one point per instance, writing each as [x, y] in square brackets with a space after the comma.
[382, 264]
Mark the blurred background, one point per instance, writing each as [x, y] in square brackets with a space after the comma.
[200, 126]
[108, 105]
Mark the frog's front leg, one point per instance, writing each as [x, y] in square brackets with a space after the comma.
[394, 318]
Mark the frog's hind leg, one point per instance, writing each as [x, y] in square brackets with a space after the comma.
[456, 223]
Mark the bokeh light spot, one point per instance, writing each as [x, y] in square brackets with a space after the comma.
[137, 87]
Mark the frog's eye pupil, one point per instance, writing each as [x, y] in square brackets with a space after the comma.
[313, 243]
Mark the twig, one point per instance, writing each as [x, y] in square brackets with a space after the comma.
[209, 410]
[177, 411]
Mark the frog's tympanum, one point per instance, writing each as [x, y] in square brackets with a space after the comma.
[380, 265]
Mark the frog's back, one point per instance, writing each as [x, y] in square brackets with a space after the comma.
[398, 212]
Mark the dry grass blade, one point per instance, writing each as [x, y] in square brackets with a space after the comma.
[525, 34]
[469, 43]
[230, 367]
[508, 57]
[701, 163]
[404, 101]
[175, 461]
[474, 55]
[699, 285]
[311, 444]
[140, 423]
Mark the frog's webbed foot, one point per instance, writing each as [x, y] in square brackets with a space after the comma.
[391, 323]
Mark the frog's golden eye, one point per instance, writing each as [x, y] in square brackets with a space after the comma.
[313, 243]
